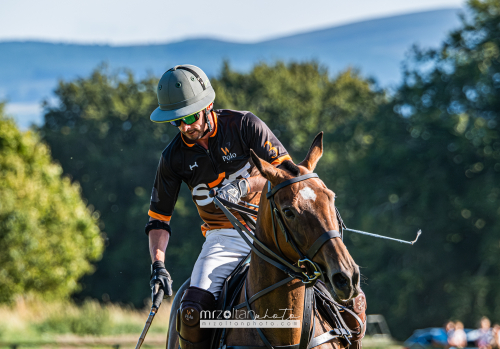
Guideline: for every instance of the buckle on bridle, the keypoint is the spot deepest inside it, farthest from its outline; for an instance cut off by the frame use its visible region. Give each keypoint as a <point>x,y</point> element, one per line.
<point>316,271</point>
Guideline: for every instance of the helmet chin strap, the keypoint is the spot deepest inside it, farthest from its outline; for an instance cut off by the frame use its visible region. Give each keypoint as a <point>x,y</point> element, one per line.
<point>207,119</point>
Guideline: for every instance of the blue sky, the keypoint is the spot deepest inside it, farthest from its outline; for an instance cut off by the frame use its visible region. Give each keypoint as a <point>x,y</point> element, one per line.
<point>121,22</point>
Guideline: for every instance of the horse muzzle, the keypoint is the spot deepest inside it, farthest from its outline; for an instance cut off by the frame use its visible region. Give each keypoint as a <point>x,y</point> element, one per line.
<point>345,285</point>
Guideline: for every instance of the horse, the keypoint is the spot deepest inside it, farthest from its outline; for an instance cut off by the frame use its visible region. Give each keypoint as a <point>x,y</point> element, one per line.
<point>299,204</point>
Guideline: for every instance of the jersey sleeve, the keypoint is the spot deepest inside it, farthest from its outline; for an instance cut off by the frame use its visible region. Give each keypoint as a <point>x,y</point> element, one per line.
<point>165,191</point>
<point>264,143</point>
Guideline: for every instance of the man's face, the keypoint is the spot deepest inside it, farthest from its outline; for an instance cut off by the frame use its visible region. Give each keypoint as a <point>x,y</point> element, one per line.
<point>194,131</point>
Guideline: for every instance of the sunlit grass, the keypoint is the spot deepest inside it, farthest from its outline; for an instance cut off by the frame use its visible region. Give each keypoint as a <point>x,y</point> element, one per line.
<point>30,320</point>
<point>380,343</point>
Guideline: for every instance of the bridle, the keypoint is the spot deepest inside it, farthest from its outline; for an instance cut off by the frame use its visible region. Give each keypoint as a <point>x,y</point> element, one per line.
<point>312,270</point>
<point>309,274</point>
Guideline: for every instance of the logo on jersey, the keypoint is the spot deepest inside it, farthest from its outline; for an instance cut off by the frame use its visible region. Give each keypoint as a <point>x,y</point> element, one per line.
<point>271,148</point>
<point>228,156</point>
<point>201,191</point>
<point>193,166</point>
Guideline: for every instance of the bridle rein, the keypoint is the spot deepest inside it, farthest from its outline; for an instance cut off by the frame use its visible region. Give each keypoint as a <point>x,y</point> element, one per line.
<point>308,275</point>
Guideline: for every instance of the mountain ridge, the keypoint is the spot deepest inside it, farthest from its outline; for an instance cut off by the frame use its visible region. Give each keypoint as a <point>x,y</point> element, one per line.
<point>30,69</point>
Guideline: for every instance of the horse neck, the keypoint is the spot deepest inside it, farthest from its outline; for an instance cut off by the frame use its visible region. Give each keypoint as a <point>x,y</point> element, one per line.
<point>261,270</point>
<point>284,301</point>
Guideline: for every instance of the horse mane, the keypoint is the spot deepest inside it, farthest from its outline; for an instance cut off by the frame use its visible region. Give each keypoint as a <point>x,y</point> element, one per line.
<point>290,167</point>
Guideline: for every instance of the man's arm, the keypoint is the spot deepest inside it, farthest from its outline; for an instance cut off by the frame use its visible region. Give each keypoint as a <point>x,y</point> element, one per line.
<point>158,242</point>
<point>163,198</point>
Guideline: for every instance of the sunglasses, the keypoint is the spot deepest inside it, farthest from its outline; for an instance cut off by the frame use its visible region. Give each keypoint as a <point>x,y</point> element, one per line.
<point>188,120</point>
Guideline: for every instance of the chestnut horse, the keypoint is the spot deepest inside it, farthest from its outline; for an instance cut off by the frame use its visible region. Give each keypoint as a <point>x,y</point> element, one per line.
<point>303,206</point>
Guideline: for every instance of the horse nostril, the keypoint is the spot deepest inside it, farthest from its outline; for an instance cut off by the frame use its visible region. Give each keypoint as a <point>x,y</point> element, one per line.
<point>340,280</point>
<point>355,279</point>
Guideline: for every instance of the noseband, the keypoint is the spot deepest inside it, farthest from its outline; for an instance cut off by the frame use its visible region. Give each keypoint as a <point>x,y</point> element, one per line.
<point>313,270</point>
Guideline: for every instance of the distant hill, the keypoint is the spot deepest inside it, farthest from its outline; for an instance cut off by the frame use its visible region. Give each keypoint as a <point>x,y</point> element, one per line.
<point>30,70</point>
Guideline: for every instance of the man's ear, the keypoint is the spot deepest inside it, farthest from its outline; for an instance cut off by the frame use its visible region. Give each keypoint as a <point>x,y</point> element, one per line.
<point>268,171</point>
<point>314,153</point>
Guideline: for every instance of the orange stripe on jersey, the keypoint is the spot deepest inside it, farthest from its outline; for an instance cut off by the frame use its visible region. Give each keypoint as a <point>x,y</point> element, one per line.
<point>218,180</point>
<point>205,227</point>
<point>281,159</point>
<point>215,121</point>
<point>159,216</point>
<point>186,143</point>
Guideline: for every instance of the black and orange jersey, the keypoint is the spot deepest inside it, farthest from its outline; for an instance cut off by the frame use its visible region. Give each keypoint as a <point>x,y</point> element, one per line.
<point>226,159</point>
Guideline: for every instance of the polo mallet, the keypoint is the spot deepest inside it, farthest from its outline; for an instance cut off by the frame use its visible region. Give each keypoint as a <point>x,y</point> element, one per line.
<point>154,309</point>
<point>213,193</point>
<point>385,237</point>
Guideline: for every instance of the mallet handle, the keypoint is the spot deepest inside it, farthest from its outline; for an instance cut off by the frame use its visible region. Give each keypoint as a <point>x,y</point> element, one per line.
<point>154,309</point>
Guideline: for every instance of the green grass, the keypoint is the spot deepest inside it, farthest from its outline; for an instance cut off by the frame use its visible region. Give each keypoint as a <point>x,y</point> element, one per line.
<point>32,320</point>
<point>380,343</point>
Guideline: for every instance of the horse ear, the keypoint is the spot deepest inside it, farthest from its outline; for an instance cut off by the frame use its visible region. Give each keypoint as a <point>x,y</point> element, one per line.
<point>267,170</point>
<point>314,153</point>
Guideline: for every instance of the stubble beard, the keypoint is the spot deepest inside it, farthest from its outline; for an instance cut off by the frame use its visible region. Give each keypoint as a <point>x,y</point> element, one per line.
<point>198,134</point>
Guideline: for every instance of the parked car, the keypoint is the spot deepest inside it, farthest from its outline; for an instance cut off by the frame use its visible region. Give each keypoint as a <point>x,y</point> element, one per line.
<point>435,337</point>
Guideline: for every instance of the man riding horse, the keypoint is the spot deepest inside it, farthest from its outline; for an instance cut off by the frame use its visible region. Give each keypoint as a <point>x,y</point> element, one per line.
<point>212,150</point>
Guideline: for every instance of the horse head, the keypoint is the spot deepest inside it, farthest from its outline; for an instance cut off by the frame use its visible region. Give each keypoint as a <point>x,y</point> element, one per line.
<point>307,210</point>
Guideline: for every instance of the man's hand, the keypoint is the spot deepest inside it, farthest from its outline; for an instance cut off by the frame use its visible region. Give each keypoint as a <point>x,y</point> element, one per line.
<point>234,191</point>
<point>160,276</point>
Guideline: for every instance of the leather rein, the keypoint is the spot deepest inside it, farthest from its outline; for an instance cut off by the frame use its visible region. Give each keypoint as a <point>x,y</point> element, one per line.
<point>308,275</point>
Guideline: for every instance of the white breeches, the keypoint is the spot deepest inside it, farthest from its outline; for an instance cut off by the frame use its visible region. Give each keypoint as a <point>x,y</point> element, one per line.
<point>220,254</point>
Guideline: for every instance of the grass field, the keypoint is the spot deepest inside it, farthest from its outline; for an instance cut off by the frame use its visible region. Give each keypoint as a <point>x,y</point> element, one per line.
<point>34,324</point>
<point>33,321</point>
<point>380,343</point>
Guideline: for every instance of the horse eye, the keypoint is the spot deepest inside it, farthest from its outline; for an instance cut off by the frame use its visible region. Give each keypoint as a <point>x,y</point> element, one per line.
<point>288,213</point>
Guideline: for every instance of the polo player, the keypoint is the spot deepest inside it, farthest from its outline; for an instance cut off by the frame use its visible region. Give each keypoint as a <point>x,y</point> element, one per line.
<point>212,150</point>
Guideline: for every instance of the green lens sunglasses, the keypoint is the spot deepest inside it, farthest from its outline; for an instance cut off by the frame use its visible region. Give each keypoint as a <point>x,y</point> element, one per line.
<point>188,120</point>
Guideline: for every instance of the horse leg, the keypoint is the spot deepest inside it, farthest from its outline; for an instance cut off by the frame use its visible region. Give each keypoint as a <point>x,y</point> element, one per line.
<point>172,335</point>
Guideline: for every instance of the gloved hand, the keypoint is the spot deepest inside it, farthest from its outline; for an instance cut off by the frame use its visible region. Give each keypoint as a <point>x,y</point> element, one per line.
<point>234,191</point>
<point>160,275</point>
